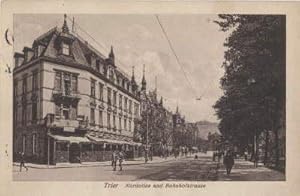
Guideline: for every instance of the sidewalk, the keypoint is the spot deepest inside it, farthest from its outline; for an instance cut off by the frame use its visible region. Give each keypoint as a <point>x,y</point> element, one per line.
<point>245,171</point>
<point>137,161</point>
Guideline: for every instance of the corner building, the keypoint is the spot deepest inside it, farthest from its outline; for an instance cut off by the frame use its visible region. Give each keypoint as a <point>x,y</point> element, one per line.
<point>71,103</point>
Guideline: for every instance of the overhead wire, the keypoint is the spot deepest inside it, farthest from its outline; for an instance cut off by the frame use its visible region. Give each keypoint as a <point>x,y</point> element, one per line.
<point>176,56</point>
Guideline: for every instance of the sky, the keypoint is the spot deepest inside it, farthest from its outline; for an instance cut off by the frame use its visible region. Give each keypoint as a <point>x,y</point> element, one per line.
<point>138,39</point>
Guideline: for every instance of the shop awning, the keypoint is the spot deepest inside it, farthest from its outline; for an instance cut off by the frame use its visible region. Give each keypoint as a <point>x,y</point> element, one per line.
<point>71,139</point>
<point>110,141</point>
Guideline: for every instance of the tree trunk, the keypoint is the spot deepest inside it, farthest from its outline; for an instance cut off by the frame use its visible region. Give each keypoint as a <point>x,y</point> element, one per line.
<point>266,147</point>
<point>276,148</point>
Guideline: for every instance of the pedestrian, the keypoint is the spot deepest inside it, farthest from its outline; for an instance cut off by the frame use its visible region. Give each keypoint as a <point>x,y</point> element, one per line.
<point>121,158</point>
<point>22,163</point>
<point>114,159</point>
<point>219,156</point>
<point>228,161</point>
<point>246,155</point>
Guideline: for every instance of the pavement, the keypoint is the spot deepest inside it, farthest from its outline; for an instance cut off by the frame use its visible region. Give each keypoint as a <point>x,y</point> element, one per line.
<point>245,171</point>
<point>170,169</point>
<point>137,161</point>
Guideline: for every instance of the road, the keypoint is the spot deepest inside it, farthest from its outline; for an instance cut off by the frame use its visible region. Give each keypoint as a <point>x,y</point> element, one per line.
<point>185,169</point>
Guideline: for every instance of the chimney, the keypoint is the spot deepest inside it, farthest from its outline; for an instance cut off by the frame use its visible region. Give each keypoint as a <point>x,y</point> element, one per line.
<point>28,54</point>
<point>19,59</point>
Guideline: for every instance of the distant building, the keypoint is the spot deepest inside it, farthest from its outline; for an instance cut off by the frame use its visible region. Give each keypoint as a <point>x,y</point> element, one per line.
<point>71,102</point>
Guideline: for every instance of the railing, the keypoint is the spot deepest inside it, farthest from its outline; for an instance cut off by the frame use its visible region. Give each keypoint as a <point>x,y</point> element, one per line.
<point>79,122</point>
<point>66,93</point>
<point>65,123</point>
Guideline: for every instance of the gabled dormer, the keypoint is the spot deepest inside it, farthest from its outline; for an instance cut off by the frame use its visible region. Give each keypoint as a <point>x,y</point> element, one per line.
<point>64,40</point>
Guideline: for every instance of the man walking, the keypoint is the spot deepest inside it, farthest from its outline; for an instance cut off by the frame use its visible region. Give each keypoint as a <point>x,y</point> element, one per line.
<point>121,158</point>
<point>228,161</point>
<point>22,163</point>
<point>114,159</point>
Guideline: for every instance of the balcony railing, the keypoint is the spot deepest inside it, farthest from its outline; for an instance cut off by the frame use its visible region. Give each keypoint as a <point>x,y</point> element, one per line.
<point>54,121</point>
<point>65,94</point>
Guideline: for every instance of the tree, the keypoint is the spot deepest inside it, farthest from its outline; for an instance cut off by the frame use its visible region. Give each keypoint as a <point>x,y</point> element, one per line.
<point>254,79</point>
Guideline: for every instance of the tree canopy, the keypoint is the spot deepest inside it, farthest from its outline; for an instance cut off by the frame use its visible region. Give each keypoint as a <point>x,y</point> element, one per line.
<point>254,79</point>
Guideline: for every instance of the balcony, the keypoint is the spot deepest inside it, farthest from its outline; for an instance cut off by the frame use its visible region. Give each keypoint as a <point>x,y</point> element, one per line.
<point>65,95</point>
<point>65,123</point>
<point>68,125</point>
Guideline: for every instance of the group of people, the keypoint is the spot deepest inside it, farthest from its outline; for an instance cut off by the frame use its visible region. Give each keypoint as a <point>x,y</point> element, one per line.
<point>117,156</point>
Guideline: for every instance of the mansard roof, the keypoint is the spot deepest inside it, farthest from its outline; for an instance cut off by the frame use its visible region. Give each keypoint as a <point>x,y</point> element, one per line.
<point>81,50</point>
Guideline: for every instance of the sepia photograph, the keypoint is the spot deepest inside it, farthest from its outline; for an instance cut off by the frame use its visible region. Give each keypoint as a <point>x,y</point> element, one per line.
<point>149,97</point>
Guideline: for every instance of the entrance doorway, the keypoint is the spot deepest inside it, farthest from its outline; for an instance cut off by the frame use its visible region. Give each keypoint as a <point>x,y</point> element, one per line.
<point>74,153</point>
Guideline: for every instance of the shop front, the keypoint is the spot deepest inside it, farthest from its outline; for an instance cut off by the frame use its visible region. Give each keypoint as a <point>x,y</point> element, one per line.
<point>77,149</point>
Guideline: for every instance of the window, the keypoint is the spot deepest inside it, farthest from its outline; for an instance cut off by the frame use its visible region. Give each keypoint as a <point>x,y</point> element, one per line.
<point>92,120</point>
<point>130,106</point>
<point>100,118</point>
<point>57,83</point>
<point>98,65</point>
<point>34,144</point>
<point>74,83</point>
<point>111,75</point>
<point>115,98</point>
<point>101,91</point>
<point>34,81</point>
<point>66,112</point>
<point>34,111</point>
<point>93,88</point>
<point>108,121</point>
<point>67,84</point>
<point>125,124</point>
<point>57,109</point>
<point>24,85</point>
<point>120,101</point>
<point>109,96</point>
<point>24,115</point>
<point>15,95</point>
<point>129,125</point>
<point>114,121</point>
<point>125,103</point>
<point>136,109</point>
<point>120,123</point>
<point>15,88</point>
<point>23,143</point>
<point>65,49</point>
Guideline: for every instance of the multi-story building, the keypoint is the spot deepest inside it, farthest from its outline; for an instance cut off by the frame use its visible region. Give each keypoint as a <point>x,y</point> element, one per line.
<point>71,103</point>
